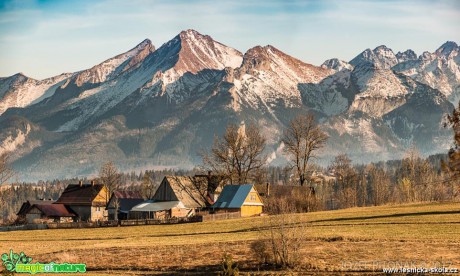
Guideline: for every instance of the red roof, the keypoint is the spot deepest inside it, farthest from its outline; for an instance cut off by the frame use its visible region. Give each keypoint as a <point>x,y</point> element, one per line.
<point>53,210</point>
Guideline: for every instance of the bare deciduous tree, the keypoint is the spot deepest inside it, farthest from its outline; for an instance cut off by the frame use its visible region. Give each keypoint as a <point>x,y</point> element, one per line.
<point>302,138</point>
<point>111,178</point>
<point>6,173</point>
<point>149,185</point>
<point>453,164</point>
<point>380,183</point>
<point>346,179</point>
<point>238,154</point>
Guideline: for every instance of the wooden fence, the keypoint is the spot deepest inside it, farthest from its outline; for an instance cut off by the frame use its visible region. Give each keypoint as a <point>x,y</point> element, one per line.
<point>159,221</point>
<point>220,216</point>
<point>65,225</point>
<point>73,225</point>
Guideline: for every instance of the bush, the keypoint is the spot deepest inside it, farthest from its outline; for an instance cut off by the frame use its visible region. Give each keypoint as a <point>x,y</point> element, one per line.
<point>281,241</point>
<point>229,268</point>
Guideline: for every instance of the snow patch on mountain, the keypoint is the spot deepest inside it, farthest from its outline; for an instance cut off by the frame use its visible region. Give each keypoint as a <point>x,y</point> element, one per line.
<point>21,91</point>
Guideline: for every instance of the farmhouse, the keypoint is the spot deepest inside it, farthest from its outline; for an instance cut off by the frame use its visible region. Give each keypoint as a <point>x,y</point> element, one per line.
<point>87,201</point>
<point>179,196</point>
<point>239,198</point>
<point>38,213</point>
<point>121,202</point>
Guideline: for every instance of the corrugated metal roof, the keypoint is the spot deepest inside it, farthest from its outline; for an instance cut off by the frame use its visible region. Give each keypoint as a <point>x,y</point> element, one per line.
<point>126,200</point>
<point>74,194</point>
<point>233,196</point>
<point>152,206</point>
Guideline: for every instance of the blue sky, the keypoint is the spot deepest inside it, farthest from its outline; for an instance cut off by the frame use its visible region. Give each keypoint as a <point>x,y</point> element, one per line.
<point>48,37</point>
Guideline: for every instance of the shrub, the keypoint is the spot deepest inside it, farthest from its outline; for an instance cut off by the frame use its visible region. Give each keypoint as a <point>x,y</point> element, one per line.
<point>229,268</point>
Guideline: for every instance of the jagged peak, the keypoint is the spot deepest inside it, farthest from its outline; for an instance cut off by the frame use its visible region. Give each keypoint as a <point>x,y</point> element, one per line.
<point>269,58</point>
<point>193,36</point>
<point>336,64</point>
<point>447,48</point>
<point>383,50</point>
<point>145,43</point>
<point>20,76</point>
<point>381,57</point>
<point>406,55</point>
<point>197,52</point>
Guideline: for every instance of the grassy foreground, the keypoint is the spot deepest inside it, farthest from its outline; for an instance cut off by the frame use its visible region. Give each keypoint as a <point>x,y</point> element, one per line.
<point>350,240</point>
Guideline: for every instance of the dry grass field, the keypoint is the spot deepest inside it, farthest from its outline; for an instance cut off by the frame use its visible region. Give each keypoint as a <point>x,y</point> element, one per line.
<point>356,240</point>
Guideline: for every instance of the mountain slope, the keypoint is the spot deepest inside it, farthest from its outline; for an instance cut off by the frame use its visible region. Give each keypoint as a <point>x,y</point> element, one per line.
<point>154,107</point>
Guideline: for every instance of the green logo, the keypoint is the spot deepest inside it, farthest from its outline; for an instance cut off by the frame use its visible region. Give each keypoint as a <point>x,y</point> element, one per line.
<point>20,263</point>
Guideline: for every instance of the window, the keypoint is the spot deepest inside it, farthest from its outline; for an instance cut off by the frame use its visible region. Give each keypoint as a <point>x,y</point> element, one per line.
<point>253,197</point>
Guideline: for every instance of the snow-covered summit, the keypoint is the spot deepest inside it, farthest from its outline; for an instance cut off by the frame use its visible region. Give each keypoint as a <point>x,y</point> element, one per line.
<point>381,57</point>
<point>113,67</point>
<point>336,64</point>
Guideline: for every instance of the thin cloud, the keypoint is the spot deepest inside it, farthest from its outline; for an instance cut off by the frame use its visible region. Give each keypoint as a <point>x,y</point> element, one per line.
<point>73,35</point>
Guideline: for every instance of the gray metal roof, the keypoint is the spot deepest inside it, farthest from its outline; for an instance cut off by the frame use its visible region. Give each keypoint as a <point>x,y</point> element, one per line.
<point>152,206</point>
<point>233,196</point>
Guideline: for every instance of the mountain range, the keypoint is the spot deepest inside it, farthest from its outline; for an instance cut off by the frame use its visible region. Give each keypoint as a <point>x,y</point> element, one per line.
<point>159,107</point>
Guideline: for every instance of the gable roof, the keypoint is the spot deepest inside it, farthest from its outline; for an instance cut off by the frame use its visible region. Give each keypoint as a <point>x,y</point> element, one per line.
<point>26,205</point>
<point>126,200</point>
<point>76,194</point>
<point>190,190</point>
<point>53,210</point>
<point>233,196</point>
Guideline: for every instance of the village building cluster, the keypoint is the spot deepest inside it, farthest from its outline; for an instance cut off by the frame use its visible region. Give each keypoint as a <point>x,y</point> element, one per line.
<point>176,197</point>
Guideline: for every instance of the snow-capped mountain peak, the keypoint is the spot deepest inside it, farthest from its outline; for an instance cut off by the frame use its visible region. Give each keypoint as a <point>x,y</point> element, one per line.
<point>336,64</point>
<point>157,107</point>
<point>381,57</point>
<point>447,49</point>
<point>199,52</point>
<point>113,67</point>
<point>406,56</point>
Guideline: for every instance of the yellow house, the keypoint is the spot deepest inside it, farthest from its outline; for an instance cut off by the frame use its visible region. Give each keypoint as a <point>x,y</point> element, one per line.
<point>243,198</point>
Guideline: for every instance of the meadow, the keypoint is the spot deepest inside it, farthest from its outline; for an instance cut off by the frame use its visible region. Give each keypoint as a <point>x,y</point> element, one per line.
<point>355,240</point>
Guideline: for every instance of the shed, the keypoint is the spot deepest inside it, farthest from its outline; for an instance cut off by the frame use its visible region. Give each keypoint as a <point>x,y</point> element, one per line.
<point>122,202</point>
<point>26,205</point>
<point>243,198</point>
<point>49,213</point>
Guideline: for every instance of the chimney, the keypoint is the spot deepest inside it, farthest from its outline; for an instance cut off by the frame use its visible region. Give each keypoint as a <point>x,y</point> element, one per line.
<point>80,183</point>
<point>93,182</point>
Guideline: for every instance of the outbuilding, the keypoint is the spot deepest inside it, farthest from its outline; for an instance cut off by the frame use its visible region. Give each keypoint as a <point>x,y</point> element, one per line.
<point>39,213</point>
<point>239,198</point>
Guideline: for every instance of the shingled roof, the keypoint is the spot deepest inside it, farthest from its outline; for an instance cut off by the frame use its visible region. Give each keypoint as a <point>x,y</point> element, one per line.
<point>53,210</point>
<point>190,190</point>
<point>26,205</point>
<point>76,194</point>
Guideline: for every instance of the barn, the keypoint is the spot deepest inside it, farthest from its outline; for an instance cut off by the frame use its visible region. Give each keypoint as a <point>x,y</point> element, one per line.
<point>239,198</point>
<point>177,196</point>
<point>121,202</point>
